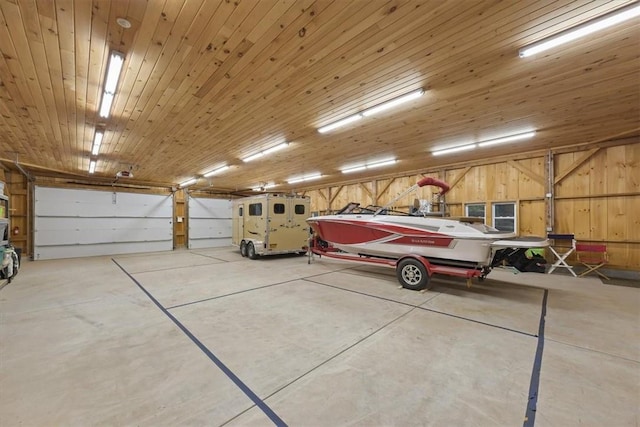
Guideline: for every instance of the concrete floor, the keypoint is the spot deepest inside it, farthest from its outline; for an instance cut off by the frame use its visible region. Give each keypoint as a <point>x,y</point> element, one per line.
<point>205,337</point>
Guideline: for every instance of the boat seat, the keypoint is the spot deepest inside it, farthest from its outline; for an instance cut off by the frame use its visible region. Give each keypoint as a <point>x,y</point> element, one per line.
<point>592,256</point>
<point>563,245</point>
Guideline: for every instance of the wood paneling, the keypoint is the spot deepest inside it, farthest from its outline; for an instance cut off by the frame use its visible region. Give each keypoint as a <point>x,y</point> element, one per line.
<point>208,82</point>
<point>597,201</point>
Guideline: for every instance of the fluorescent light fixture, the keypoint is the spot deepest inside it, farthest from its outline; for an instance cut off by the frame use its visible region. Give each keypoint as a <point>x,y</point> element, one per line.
<point>215,171</point>
<point>373,110</point>
<point>339,123</point>
<point>188,182</point>
<point>354,169</point>
<point>394,102</point>
<point>97,140</point>
<point>369,166</point>
<point>506,139</point>
<point>105,107</point>
<point>116,61</point>
<point>92,166</point>
<point>265,152</point>
<point>582,30</point>
<point>113,72</point>
<point>454,149</point>
<point>381,163</point>
<point>304,178</point>
<point>275,148</point>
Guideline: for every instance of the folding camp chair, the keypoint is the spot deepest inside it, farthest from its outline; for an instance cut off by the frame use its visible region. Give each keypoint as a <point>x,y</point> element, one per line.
<point>563,246</point>
<point>593,257</point>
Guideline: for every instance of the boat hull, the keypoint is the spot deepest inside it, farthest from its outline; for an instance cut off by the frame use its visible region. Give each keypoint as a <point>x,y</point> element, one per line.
<point>441,240</point>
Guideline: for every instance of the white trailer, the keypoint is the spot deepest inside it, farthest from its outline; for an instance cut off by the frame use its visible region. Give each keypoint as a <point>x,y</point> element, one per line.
<point>270,224</point>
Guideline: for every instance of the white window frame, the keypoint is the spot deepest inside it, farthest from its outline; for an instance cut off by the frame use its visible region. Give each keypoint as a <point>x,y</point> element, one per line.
<point>514,217</point>
<point>484,207</point>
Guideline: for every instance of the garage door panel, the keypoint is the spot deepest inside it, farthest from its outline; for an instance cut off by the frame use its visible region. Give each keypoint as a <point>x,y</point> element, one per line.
<point>209,223</point>
<point>70,223</point>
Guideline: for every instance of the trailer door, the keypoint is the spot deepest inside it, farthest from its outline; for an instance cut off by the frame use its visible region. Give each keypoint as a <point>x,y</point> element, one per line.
<point>278,224</point>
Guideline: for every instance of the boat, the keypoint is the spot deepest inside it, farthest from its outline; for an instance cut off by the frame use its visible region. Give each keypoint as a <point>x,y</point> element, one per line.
<point>381,232</point>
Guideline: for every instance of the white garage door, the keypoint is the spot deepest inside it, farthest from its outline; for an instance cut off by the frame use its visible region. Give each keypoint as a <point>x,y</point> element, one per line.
<point>78,223</point>
<point>209,223</point>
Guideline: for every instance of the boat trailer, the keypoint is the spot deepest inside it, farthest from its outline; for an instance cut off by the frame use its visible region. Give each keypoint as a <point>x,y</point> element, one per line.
<point>413,271</point>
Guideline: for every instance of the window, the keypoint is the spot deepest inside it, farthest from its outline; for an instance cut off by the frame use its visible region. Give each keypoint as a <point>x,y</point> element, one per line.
<point>504,216</point>
<point>255,209</point>
<point>278,208</point>
<point>475,210</point>
<point>299,209</point>
<point>239,210</point>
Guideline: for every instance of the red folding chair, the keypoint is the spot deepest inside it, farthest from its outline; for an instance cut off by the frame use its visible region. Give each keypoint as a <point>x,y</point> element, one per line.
<point>592,256</point>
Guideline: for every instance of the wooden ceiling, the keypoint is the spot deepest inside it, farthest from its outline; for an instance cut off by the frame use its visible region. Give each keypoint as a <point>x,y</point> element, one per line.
<point>209,82</point>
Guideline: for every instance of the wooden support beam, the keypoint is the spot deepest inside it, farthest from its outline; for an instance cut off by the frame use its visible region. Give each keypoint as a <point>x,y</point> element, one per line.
<point>321,193</point>
<point>586,156</point>
<point>457,180</point>
<point>333,197</point>
<point>364,187</point>
<point>384,190</point>
<point>525,170</point>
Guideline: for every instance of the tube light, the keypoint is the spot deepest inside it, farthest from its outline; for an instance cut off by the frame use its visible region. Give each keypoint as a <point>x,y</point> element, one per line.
<point>394,102</point>
<point>116,61</point>
<point>381,163</point>
<point>97,140</point>
<point>92,166</point>
<point>215,171</point>
<point>454,149</point>
<point>188,182</point>
<point>340,123</point>
<point>506,139</point>
<point>354,169</point>
<point>304,178</point>
<point>369,166</point>
<point>582,30</point>
<point>373,110</point>
<point>265,152</point>
<point>105,107</point>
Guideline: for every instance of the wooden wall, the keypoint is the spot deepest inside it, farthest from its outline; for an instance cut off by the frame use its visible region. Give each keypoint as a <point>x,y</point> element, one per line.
<point>596,194</point>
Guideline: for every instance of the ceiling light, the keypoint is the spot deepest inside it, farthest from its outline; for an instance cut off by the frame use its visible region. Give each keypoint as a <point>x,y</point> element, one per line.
<point>105,107</point>
<point>123,22</point>
<point>454,149</point>
<point>353,169</point>
<point>265,152</point>
<point>215,171</point>
<point>369,166</point>
<point>339,123</point>
<point>304,178</point>
<point>92,166</point>
<point>373,110</point>
<point>582,30</point>
<point>188,182</point>
<point>97,140</point>
<point>506,139</point>
<point>116,60</point>
<point>394,102</point>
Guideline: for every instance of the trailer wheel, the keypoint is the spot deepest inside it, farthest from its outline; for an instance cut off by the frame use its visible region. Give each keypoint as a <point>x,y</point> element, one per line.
<point>412,274</point>
<point>251,251</point>
<point>243,248</point>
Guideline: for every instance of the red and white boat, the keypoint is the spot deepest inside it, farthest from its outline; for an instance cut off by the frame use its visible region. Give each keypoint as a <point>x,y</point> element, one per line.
<point>376,232</point>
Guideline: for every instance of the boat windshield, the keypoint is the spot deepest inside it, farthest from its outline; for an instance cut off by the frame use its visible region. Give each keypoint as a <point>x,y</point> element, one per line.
<point>484,228</point>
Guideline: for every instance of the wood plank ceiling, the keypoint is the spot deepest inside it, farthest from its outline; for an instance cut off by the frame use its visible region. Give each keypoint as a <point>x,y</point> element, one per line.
<point>209,82</point>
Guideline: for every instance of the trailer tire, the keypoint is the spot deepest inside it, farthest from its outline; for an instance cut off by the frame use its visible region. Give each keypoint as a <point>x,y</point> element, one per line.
<point>251,251</point>
<point>412,274</point>
<point>243,248</point>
